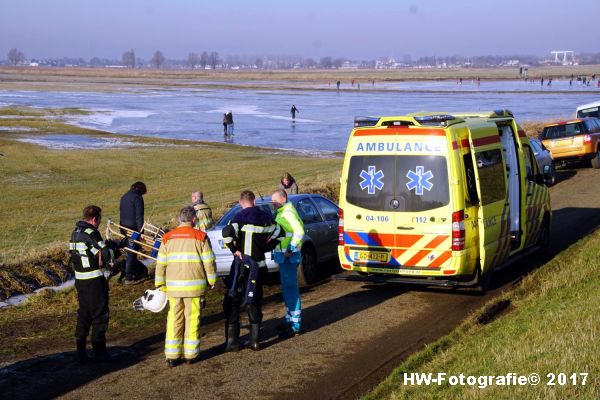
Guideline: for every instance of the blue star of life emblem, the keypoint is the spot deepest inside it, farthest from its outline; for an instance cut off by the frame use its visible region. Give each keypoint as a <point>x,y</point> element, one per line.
<point>419,180</point>
<point>371,180</point>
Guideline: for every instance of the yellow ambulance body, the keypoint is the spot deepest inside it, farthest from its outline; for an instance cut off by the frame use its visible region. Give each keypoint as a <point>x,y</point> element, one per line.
<point>439,199</point>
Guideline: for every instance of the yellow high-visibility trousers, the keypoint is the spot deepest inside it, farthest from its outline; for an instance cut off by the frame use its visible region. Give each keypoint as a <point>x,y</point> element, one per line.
<point>183,328</point>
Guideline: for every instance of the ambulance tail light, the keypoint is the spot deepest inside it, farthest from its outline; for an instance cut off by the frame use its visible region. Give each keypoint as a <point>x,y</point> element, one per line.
<point>587,139</point>
<point>340,227</point>
<point>458,230</point>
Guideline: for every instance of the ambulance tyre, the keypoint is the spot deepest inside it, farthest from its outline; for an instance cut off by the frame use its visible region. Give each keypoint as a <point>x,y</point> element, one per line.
<point>596,160</point>
<point>484,281</point>
<point>307,270</point>
<point>544,238</point>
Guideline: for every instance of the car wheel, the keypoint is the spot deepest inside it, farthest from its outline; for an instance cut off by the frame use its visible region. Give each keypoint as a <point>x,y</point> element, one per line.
<point>596,160</point>
<point>552,180</point>
<point>307,270</point>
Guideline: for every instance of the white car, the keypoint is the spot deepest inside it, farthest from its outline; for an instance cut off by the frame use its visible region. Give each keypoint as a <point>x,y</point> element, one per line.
<point>320,217</point>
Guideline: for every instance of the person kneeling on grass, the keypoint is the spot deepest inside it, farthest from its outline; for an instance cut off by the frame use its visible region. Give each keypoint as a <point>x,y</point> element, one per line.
<point>185,266</point>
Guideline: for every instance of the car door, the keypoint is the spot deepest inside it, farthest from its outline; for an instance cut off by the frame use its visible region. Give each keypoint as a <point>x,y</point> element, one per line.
<point>329,211</point>
<point>314,227</point>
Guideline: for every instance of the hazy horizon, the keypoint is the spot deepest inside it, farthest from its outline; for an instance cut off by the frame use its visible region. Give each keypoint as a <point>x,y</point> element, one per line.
<point>69,28</point>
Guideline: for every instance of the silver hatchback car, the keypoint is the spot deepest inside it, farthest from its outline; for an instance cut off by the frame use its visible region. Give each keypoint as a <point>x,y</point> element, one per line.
<point>320,217</point>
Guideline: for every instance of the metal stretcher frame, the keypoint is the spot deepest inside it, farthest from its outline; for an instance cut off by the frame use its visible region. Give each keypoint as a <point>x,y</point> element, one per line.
<point>149,239</point>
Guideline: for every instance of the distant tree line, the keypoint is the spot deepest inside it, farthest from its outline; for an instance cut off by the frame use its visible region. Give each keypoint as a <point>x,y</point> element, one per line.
<point>212,60</point>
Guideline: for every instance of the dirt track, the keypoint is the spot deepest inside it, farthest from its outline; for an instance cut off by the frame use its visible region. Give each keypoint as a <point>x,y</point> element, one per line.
<point>354,335</point>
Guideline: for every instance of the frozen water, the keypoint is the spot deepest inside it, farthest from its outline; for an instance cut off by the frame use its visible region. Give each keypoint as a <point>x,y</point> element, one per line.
<point>262,117</point>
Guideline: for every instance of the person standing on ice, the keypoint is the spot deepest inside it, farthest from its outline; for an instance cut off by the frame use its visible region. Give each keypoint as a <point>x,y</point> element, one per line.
<point>229,118</point>
<point>293,111</point>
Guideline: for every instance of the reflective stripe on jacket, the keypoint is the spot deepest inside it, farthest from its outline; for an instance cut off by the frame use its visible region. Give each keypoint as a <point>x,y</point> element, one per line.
<point>252,232</point>
<point>88,252</point>
<point>185,262</point>
<point>290,221</point>
<point>204,216</point>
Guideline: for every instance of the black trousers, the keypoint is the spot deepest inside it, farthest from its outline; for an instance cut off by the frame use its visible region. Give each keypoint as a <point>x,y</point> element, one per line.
<point>92,295</point>
<point>131,259</point>
<point>231,305</point>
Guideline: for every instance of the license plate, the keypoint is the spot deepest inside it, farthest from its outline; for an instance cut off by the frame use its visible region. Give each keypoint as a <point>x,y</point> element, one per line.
<point>562,142</point>
<point>371,256</point>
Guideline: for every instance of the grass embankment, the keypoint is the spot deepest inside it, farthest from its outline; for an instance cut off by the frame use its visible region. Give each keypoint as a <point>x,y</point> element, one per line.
<point>551,326</point>
<point>44,190</point>
<point>46,322</point>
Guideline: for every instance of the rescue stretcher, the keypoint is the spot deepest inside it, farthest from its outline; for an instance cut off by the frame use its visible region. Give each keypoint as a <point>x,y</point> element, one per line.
<point>148,240</point>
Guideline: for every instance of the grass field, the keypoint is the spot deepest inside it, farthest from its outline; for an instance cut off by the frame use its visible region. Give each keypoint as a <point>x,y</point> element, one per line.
<point>110,79</point>
<point>550,326</point>
<point>44,190</point>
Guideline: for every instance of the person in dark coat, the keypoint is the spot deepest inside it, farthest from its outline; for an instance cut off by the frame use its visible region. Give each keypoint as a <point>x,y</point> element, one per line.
<point>132,217</point>
<point>229,119</point>
<point>249,234</point>
<point>90,256</point>
<point>293,111</point>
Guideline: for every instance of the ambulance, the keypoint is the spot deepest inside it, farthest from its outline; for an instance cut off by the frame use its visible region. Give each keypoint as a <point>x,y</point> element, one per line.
<point>439,199</point>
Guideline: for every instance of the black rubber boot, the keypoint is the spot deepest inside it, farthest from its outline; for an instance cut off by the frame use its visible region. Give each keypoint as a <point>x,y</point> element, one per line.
<point>82,357</point>
<point>101,353</point>
<point>254,343</point>
<point>232,337</point>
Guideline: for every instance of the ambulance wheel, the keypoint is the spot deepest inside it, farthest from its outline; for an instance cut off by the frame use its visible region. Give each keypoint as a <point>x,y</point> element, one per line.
<point>484,281</point>
<point>307,270</point>
<point>596,160</point>
<point>544,238</point>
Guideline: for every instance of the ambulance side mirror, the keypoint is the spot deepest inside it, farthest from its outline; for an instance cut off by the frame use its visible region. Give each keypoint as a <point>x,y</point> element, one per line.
<point>547,177</point>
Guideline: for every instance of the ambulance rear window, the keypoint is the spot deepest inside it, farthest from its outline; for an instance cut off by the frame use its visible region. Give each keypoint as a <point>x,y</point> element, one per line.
<point>406,183</point>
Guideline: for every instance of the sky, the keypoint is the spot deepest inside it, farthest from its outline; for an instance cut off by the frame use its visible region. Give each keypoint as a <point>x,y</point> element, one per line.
<point>308,28</point>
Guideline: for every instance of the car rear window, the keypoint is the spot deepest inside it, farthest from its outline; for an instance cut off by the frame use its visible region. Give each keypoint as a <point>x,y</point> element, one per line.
<point>589,112</point>
<point>404,183</point>
<point>561,131</point>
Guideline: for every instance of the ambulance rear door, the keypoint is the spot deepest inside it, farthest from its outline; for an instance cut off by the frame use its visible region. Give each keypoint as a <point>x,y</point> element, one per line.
<point>370,189</point>
<point>422,201</point>
<point>490,174</point>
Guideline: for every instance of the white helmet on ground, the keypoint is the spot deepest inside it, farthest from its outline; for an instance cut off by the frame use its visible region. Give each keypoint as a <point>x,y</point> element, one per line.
<point>152,300</point>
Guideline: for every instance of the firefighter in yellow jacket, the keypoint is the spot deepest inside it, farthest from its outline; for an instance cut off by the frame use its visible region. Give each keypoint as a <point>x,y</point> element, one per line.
<point>204,220</point>
<point>185,267</point>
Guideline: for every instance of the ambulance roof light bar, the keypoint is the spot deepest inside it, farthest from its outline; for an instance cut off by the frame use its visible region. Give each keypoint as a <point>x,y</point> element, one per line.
<point>365,121</point>
<point>438,119</point>
<point>503,113</point>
